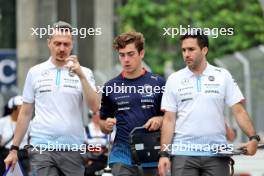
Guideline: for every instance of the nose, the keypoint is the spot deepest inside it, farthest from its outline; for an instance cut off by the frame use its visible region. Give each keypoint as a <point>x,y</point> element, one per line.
<point>62,48</point>
<point>126,58</point>
<point>186,54</point>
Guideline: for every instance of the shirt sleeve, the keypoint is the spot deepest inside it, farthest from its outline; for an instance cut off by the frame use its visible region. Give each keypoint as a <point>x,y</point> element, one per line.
<point>28,92</point>
<point>233,94</point>
<point>169,101</point>
<point>90,78</point>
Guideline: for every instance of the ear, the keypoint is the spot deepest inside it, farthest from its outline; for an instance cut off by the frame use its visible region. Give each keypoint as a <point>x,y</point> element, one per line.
<point>142,53</point>
<point>205,51</point>
<point>49,42</point>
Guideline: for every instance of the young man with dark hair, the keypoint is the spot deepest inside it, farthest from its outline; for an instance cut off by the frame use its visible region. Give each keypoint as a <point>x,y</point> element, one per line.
<point>135,104</point>
<point>194,124</point>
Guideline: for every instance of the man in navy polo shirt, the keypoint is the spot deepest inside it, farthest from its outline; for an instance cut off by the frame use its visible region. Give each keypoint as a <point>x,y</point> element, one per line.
<point>130,100</point>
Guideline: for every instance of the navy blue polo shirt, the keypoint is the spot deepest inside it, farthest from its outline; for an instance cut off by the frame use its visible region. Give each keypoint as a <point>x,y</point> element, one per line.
<point>132,102</point>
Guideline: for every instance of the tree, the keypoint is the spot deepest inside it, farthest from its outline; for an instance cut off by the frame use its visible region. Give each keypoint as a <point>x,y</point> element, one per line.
<point>243,20</point>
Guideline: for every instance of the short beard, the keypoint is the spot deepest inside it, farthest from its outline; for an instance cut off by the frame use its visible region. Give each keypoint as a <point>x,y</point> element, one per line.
<point>58,60</point>
<point>195,64</point>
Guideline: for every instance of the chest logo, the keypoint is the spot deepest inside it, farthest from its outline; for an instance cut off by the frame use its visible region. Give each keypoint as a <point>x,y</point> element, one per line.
<point>211,78</point>
<point>185,81</point>
<point>45,73</point>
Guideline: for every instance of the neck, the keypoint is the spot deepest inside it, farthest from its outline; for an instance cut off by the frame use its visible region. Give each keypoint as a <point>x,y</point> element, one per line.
<point>57,63</point>
<point>199,69</point>
<point>131,75</point>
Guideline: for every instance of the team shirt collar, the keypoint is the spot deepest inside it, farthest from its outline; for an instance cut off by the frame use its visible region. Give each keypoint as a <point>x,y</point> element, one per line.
<point>49,63</point>
<point>207,71</point>
<point>142,73</point>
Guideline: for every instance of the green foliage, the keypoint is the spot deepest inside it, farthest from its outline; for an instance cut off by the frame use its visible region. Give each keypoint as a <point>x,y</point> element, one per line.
<point>245,17</point>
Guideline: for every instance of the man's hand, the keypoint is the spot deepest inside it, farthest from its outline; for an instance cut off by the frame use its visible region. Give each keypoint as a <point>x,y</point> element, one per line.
<point>154,123</point>
<point>108,124</point>
<point>164,166</point>
<point>250,146</point>
<point>74,66</point>
<point>11,159</point>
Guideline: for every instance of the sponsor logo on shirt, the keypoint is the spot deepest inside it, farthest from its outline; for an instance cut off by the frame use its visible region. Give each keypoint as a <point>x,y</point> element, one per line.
<point>219,70</point>
<point>70,86</point>
<point>147,106</point>
<point>186,99</point>
<point>71,81</point>
<point>185,94</point>
<point>45,73</point>
<point>185,81</point>
<point>210,85</point>
<point>43,91</point>
<point>212,91</point>
<point>185,88</point>
<point>122,103</point>
<point>123,108</point>
<point>211,78</point>
<point>154,77</point>
<point>121,97</point>
<point>45,80</point>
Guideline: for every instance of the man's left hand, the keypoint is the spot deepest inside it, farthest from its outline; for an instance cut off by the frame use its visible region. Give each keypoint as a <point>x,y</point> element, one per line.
<point>154,123</point>
<point>250,146</point>
<point>74,65</point>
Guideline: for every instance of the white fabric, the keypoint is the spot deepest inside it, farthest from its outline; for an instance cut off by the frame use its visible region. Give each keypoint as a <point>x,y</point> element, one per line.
<point>58,102</point>
<point>97,136</point>
<point>7,130</point>
<point>15,101</point>
<point>199,103</point>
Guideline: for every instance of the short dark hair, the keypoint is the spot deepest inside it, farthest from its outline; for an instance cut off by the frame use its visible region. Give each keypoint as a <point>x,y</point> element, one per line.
<point>202,39</point>
<point>127,38</point>
<point>63,26</point>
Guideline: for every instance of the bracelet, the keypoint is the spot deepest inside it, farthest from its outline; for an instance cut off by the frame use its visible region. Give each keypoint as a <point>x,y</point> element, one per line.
<point>164,154</point>
<point>14,147</point>
<point>256,137</point>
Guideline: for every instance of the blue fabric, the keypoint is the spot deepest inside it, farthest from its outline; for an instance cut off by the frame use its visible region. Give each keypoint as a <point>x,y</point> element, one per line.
<point>89,136</point>
<point>131,109</point>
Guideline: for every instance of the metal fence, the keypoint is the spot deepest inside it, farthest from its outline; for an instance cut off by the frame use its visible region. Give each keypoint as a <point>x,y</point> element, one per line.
<point>247,68</point>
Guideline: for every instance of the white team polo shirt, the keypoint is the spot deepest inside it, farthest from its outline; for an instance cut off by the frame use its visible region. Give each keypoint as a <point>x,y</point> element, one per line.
<point>58,99</point>
<point>199,103</point>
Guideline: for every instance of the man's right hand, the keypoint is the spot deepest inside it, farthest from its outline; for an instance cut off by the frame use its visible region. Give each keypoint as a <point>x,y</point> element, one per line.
<point>164,166</point>
<point>109,123</point>
<point>11,159</point>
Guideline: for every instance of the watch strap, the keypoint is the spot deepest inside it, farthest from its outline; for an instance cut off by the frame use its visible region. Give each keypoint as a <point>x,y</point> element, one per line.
<point>14,147</point>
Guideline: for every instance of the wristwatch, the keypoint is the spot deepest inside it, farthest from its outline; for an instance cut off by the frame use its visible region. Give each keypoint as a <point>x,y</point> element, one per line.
<point>256,137</point>
<point>164,154</point>
<point>14,147</point>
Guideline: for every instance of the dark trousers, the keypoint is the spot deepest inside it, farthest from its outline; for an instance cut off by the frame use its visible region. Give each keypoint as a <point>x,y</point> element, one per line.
<point>200,166</point>
<point>119,169</point>
<point>95,165</point>
<point>56,163</point>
